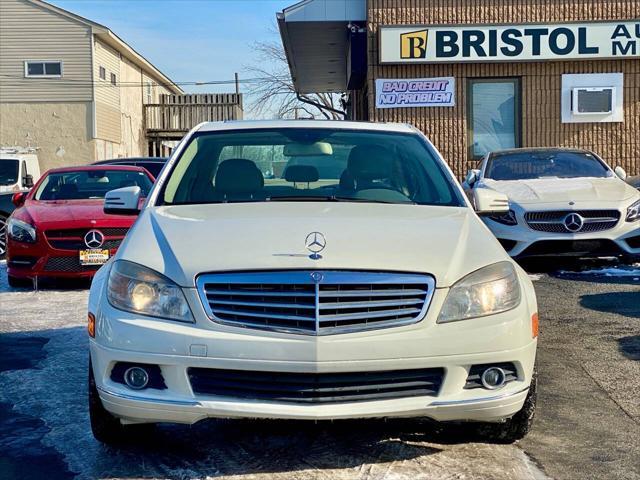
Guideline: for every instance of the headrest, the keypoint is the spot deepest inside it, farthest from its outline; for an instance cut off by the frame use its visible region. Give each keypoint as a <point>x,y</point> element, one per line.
<point>370,162</point>
<point>238,176</point>
<point>301,173</point>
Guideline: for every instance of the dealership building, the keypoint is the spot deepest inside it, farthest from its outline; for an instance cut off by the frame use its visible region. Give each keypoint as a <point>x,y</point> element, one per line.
<point>479,75</point>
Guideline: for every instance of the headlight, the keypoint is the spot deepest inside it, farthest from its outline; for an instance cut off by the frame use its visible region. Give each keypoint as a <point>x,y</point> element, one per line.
<point>21,231</point>
<point>492,289</point>
<point>633,212</point>
<point>138,289</point>
<point>508,218</point>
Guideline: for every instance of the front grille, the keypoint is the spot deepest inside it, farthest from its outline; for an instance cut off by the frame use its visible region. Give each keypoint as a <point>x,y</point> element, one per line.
<point>552,221</point>
<point>73,239</point>
<point>316,302</point>
<point>81,232</point>
<point>316,387</point>
<point>68,264</point>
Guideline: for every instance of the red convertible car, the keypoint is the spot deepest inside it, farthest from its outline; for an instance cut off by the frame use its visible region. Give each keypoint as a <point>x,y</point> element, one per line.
<point>59,229</point>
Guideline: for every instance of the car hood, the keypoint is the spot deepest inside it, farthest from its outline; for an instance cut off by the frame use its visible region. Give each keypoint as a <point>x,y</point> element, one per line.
<point>184,241</point>
<point>549,190</point>
<point>73,214</point>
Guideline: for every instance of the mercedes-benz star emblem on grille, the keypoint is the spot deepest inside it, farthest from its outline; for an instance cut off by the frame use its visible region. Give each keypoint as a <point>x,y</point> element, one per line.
<point>315,243</point>
<point>94,239</point>
<point>317,277</point>
<point>573,222</point>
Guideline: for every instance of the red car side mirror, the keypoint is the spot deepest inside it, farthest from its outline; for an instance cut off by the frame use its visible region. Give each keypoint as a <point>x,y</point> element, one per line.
<point>19,198</point>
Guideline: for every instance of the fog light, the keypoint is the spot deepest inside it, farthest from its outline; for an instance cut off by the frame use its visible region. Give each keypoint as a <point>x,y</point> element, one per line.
<point>136,378</point>
<point>493,378</point>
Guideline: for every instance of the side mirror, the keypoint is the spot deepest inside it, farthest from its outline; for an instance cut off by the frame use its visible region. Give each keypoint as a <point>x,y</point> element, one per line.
<point>18,199</point>
<point>27,181</point>
<point>123,201</point>
<point>472,177</point>
<point>620,172</point>
<point>489,202</point>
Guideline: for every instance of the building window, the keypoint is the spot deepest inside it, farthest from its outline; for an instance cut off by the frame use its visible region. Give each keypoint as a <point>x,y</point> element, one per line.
<point>102,72</point>
<point>114,79</point>
<point>46,69</point>
<point>494,115</point>
<point>149,93</point>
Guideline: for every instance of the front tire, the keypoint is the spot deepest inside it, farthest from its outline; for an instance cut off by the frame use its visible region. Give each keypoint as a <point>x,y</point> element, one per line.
<point>15,282</point>
<point>105,427</point>
<point>3,236</point>
<point>518,426</point>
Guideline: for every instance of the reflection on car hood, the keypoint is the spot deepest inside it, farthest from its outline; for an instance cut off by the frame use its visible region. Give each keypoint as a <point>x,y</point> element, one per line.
<point>548,190</point>
<point>62,214</point>
<point>184,241</point>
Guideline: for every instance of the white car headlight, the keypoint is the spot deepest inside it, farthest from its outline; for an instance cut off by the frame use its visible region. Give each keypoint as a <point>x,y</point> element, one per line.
<point>490,290</point>
<point>633,212</point>
<point>134,288</point>
<point>21,231</point>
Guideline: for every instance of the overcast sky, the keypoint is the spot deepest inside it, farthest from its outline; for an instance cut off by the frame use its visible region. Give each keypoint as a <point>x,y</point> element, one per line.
<point>189,40</point>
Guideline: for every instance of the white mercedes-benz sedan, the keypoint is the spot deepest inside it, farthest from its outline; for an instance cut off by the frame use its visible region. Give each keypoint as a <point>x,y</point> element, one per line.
<point>563,202</point>
<point>310,270</point>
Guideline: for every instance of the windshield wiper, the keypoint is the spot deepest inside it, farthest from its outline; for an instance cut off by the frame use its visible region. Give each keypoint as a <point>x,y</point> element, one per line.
<point>331,198</point>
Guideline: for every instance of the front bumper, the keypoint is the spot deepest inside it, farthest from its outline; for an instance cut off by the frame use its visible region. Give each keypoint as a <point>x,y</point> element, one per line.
<point>520,241</point>
<point>178,404</point>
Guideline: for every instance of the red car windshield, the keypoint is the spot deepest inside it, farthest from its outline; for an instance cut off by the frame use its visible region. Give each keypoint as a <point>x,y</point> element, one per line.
<point>89,184</point>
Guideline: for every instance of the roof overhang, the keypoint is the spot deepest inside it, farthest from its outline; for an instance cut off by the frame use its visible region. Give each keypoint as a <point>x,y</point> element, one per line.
<point>315,36</point>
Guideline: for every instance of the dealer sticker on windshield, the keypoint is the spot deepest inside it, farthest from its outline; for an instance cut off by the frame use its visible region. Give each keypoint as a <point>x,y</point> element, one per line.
<point>95,256</point>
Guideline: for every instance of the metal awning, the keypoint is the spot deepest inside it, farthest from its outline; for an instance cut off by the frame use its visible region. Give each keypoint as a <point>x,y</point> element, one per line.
<point>315,36</point>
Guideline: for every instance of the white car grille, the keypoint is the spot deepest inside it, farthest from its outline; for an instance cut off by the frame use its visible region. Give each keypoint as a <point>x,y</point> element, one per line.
<point>554,221</point>
<point>315,302</point>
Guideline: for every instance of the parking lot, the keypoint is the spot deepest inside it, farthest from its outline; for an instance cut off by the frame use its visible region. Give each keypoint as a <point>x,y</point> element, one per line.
<point>587,426</point>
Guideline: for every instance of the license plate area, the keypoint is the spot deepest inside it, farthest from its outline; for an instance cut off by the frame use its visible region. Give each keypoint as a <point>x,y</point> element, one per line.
<point>94,256</point>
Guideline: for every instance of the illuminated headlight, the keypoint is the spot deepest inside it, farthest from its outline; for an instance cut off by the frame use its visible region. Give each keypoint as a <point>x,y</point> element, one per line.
<point>508,218</point>
<point>490,290</point>
<point>633,212</point>
<point>139,289</point>
<point>21,231</point>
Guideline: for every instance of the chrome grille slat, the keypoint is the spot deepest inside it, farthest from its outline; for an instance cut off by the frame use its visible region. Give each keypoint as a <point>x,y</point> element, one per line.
<point>315,302</point>
<point>552,221</point>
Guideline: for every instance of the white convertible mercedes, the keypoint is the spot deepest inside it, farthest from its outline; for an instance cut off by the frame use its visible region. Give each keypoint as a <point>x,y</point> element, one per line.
<point>562,202</point>
<point>310,270</point>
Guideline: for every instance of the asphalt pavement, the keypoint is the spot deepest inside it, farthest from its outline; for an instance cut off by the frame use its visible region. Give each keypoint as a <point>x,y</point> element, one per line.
<point>587,425</point>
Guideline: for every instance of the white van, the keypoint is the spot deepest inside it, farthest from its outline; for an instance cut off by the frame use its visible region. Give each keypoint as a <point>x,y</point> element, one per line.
<point>19,169</point>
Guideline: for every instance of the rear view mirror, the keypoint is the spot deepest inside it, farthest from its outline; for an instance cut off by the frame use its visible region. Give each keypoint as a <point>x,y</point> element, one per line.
<point>307,149</point>
<point>123,201</point>
<point>489,202</point>
<point>27,181</point>
<point>18,199</point>
<point>620,172</point>
<point>472,177</point>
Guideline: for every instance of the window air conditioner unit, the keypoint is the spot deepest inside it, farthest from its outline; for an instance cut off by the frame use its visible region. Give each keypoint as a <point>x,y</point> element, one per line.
<point>593,100</point>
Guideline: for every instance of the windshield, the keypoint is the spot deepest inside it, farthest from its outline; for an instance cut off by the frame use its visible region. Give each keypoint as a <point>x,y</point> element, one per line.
<point>532,165</point>
<point>8,172</point>
<point>304,164</point>
<point>88,184</point>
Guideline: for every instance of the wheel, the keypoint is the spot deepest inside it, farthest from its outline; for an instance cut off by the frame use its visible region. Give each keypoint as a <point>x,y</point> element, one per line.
<point>16,282</point>
<point>517,427</point>
<point>3,236</point>
<point>105,427</point>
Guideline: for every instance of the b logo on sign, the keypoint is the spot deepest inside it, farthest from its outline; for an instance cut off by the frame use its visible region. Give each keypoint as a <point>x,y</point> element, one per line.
<point>413,44</point>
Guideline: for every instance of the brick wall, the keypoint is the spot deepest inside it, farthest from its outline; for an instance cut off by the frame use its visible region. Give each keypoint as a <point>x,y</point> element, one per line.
<point>618,143</point>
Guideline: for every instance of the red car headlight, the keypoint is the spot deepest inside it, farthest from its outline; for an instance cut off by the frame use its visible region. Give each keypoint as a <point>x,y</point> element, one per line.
<point>21,231</point>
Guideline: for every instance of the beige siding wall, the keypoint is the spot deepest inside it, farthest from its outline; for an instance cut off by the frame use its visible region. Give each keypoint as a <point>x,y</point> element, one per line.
<point>60,131</point>
<point>618,143</point>
<point>31,32</point>
<point>107,95</point>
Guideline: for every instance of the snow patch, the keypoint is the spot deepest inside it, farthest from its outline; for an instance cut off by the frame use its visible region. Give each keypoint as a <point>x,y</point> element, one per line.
<point>632,271</point>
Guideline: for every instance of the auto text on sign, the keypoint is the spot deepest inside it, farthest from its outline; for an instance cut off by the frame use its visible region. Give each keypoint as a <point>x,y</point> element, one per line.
<point>419,92</point>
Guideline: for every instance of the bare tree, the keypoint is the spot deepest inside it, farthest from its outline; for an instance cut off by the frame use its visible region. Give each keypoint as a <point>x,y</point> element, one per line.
<point>273,94</point>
